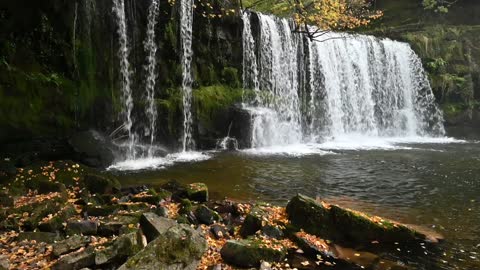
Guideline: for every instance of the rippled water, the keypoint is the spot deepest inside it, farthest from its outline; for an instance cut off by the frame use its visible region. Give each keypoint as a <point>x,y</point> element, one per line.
<point>433,185</point>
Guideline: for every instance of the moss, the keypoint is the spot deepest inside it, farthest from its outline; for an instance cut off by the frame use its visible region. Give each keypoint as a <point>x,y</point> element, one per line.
<point>213,100</point>
<point>230,77</point>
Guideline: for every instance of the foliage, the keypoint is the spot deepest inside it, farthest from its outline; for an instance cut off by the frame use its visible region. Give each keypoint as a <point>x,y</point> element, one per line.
<point>439,6</point>
<point>326,15</point>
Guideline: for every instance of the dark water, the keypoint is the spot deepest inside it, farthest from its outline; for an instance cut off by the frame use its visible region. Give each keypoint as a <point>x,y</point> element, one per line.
<point>433,185</point>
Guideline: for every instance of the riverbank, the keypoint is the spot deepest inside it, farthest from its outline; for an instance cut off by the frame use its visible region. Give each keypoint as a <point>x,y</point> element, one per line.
<point>63,215</point>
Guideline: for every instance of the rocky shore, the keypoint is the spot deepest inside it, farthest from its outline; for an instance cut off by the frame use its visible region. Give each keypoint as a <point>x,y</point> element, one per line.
<point>63,215</point>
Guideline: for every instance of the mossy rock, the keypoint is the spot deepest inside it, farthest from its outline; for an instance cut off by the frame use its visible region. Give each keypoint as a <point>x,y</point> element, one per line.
<point>101,184</point>
<point>179,247</point>
<point>45,237</point>
<point>197,192</point>
<point>250,253</point>
<point>207,216</point>
<point>347,226</point>
<point>253,221</point>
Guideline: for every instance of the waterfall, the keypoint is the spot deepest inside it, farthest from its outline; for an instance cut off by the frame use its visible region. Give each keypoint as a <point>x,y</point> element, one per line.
<point>151,48</point>
<point>186,25</point>
<point>125,75</point>
<point>275,109</point>
<point>346,85</point>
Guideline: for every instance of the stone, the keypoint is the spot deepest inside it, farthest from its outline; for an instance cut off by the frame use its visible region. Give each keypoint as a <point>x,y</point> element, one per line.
<point>84,227</point>
<point>101,211</point>
<point>4,263</point>
<point>273,231</point>
<point>101,184</point>
<point>253,222</point>
<point>177,189</point>
<point>250,253</point>
<point>347,226</point>
<point>197,192</point>
<point>45,237</point>
<point>45,186</point>
<point>219,231</point>
<point>113,226</point>
<point>162,211</point>
<point>153,225</point>
<point>93,149</point>
<point>123,247</point>
<point>179,247</point>
<point>206,215</point>
<point>70,244</point>
<point>56,223</point>
<point>76,260</point>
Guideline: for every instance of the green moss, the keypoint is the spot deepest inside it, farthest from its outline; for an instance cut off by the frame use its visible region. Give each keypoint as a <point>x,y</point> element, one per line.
<point>230,77</point>
<point>213,100</point>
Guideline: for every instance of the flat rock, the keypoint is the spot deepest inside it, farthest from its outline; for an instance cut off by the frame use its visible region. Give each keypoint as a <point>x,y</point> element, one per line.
<point>85,227</point>
<point>76,260</point>
<point>153,225</point>
<point>250,253</point>
<point>179,247</point>
<point>347,226</point>
<point>70,244</point>
<point>45,237</point>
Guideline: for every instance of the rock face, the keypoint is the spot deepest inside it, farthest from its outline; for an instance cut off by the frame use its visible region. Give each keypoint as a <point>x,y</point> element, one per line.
<point>179,247</point>
<point>249,253</point>
<point>93,149</point>
<point>347,226</point>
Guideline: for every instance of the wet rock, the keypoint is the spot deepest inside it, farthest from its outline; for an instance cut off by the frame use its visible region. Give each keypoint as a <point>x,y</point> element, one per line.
<point>124,246</point>
<point>249,253</point>
<point>85,227</point>
<point>206,215</point>
<point>272,231</point>
<point>93,149</point>
<point>179,247</point>
<point>70,244</point>
<point>197,192</point>
<point>347,226</point>
<point>219,231</point>
<point>101,184</point>
<point>313,246</point>
<point>177,189</point>
<point>153,225</point>
<point>45,237</point>
<point>76,260</point>
<point>253,222</point>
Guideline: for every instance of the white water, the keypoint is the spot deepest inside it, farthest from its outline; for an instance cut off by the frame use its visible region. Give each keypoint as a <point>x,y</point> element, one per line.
<point>159,162</point>
<point>125,75</point>
<point>347,92</point>
<point>151,48</point>
<point>186,25</point>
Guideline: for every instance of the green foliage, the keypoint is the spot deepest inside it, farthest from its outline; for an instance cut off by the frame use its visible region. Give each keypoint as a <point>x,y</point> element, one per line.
<point>439,6</point>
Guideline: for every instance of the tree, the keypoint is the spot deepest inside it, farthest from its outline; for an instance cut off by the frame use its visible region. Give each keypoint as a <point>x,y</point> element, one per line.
<point>324,15</point>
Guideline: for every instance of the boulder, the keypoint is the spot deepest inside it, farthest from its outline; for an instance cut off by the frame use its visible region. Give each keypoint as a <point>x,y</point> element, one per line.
<point>123,247</point>
<point>93,149</point>
<point>76,260</point>
<point>347,226</point>
<point>45,237</point>
<point>197,192</point>
<point>84,227</point>
<point>113,226</point>
<point>253,222</point>
<point>70,244</point>
<point>177,189</point>
<point>56,223</point>
<point>251,252</point>
<point>101,184</point>
<point>179,247</point>
<point>45,186</point>
<point>101,211</point>
<point>153,225</point>
<point>206,215</point>
<point>219,231</point>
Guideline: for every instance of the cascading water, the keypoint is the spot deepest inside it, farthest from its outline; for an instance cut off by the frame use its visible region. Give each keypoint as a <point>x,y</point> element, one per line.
<point>275,109</point>
<point>150,68</point>
<point>125,75</point>
<point>354,86</point>
<point>186,25</point>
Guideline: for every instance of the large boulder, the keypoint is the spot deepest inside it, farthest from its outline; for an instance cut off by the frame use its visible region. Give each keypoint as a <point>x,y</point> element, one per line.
<point>101,184</point>
<point>93,149</point>
<point>179,247</point>
<point>347,226</point>
<point>251,252</point>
